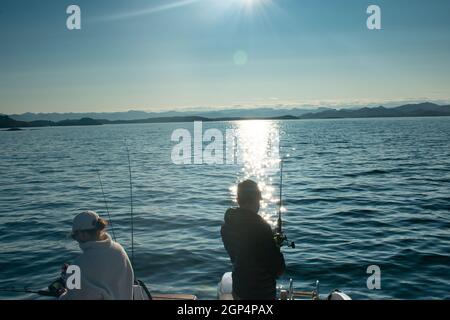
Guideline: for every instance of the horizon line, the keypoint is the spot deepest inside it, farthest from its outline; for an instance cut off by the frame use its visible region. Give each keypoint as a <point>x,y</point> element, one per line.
<point>280,106</point>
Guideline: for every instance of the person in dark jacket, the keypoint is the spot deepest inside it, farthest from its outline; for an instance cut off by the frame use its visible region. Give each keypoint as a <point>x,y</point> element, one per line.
<point>249,240</point>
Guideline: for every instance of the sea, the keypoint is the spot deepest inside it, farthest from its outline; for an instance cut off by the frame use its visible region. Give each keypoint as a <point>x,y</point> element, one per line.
<point>355,193</point>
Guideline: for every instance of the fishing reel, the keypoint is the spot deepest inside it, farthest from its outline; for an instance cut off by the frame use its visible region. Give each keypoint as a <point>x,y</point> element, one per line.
<point>58,287</point>
<point>282,240</point>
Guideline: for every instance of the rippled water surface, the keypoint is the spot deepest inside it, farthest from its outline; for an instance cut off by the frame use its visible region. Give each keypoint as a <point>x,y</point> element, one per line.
<point>356,193</point>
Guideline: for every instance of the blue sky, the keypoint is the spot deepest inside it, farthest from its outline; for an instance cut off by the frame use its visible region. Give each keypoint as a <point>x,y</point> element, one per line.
<point>156,55</point>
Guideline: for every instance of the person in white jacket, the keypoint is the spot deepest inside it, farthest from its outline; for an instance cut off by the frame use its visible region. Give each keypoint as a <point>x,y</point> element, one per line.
<point>106,271</point>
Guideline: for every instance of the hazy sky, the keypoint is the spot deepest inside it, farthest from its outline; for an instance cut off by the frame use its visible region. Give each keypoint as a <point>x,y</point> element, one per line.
<point>169,54</point>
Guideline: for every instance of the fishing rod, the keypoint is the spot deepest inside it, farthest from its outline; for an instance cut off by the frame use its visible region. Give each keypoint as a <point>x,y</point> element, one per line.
<point>136,281</point>
<point>54,293</point>
<point>106,205</point>
<point>44,293</point>
<point>131,205</point>
<point>279,235</point>
<point>280,222</point>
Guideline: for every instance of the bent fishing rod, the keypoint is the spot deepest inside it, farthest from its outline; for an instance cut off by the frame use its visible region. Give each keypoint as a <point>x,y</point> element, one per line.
<point>131,203</point>
<point>279,235</point>
<point>43,293</point>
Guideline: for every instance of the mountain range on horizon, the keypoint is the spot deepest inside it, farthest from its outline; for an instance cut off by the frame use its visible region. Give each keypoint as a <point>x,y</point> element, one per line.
<point>262,112</point>
<point>426,109</point>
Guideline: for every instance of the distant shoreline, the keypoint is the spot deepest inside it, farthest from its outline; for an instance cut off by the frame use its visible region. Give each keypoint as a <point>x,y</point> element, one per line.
<point>406,111</point>
<point>13,129</point>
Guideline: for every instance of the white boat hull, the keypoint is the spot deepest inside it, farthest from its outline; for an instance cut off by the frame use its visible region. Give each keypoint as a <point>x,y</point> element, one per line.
<point>225,291</point>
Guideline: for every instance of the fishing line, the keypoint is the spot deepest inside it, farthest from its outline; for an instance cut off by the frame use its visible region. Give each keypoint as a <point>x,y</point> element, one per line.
<point>131,204</point>
<point>106,205</point>
<point>25,290</point>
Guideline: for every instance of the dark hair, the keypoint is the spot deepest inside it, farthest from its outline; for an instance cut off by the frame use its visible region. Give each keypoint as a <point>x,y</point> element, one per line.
<point>100,226</point>
<point>248,192</point>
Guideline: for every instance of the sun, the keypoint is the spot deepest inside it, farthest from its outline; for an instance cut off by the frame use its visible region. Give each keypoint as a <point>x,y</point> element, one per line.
<point>245,8</point>
<point>249,3</point>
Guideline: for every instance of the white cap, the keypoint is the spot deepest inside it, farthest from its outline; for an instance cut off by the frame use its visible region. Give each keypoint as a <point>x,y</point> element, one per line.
<point>85,221</point>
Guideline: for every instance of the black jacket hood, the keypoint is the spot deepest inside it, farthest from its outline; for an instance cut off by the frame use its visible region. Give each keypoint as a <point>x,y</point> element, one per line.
<point>237,217</point>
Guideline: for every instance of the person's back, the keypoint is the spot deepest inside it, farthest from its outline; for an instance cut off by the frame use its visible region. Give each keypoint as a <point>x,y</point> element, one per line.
<point>106,271</point>
<point>249,241</point>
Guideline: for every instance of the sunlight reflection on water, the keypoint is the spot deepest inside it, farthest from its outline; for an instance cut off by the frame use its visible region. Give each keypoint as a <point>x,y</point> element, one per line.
<point>258,146</point>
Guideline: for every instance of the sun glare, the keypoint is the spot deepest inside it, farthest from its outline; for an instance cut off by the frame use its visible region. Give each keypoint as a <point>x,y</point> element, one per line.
<point>257,7</point>
<point>247,3</point>
<point>258,141</point>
